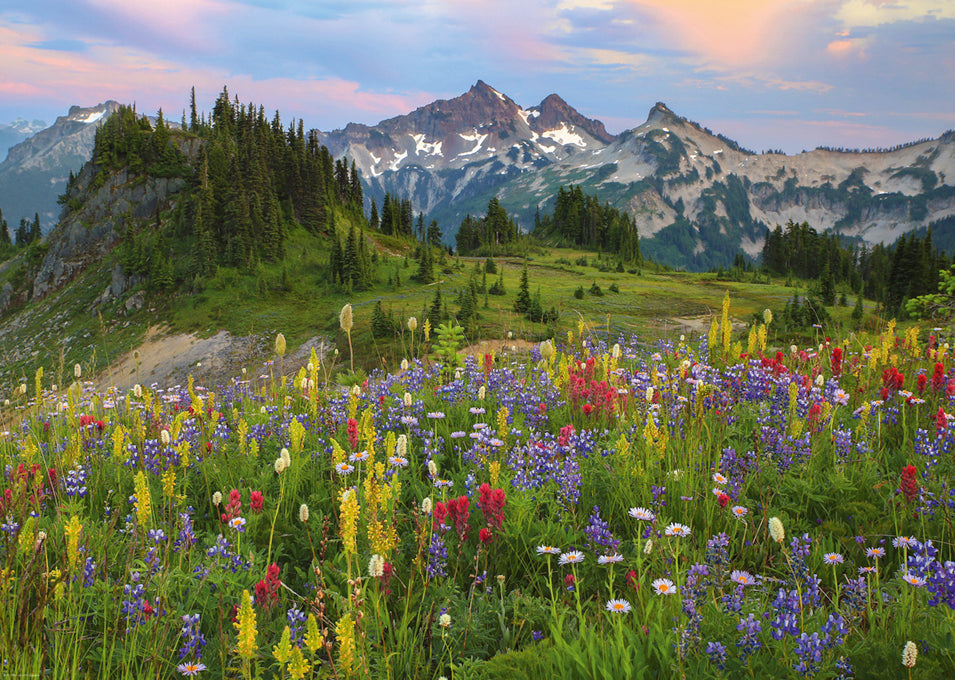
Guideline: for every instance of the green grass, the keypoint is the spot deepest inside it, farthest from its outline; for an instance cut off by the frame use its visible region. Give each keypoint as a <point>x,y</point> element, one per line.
<point>294,297</point>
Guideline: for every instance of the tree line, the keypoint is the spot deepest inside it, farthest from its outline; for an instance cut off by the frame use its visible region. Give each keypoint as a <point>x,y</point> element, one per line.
<point>583,221</point>
<point>890,275</point>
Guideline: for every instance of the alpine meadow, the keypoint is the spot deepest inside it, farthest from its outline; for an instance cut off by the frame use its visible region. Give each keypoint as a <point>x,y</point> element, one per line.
<point>480,392</point>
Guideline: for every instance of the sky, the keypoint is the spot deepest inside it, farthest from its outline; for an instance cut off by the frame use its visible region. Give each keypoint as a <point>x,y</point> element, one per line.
<point>771,74</point>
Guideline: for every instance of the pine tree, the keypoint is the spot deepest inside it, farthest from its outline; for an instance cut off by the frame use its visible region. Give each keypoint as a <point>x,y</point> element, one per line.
<point>425,272</point>
<point>435,313</point>
<point>35,233</point>
<point>523,301</point>
<point>434,234</point>
<point>858,311</point>
<point>373,221</point>
<point>4,233</point>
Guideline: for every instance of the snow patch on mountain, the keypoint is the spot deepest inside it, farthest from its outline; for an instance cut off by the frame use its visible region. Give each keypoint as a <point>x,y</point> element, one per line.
<point>427,148</point>
<point>90,117</point>
<point>478,137</point>
<point>397,159</point>
<point>565,136</point>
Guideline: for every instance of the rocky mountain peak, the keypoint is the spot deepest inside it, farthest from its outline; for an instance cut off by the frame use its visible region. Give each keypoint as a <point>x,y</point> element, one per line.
<point>554,111</point>
<point>662,115</point>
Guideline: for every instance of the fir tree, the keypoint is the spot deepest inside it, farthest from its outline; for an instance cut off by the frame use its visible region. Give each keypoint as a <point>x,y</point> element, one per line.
<point>435,314</point>
<point>523,301</point>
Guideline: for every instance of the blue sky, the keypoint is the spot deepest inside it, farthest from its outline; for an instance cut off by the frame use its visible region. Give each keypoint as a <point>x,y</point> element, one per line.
<point>789,74</point>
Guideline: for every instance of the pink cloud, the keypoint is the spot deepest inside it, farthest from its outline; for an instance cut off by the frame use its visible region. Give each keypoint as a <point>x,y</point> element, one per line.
<point>746,34</point>
<point>179,21</point>
<point>127,75</point>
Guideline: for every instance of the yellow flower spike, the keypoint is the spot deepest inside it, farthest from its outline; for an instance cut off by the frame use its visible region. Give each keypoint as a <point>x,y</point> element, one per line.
<point>298,666</point>
<point>726,328</point>
<point>495,472</point>
<point>761,337</point>
<point>502,427</point>
<point>348,521</point>
<point>245,625</point>
<point>243,436</point>
<point>169,482</point>
<point>72,531</point>
<point>427,330</point>
<point>283,650</point>
<point>751,341</point>
<point>338,453</point>
<point>39,385</point>
<point>313,638</point>
<point>143,500</point>
<point>296,433</point>
<point>713,336</point>
<point>345,632</point>
<point>27,538</point>
<point>183,450</point>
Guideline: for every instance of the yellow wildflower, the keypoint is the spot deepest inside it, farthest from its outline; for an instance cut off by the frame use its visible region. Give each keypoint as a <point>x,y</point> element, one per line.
<point>298,666</point>
<point>313,638</point>
<point>345,632</point>
<point>348,521</point>
<point>245,625</point>
<point>283,650</point>
<point>72,531</point>
<point>143,500</point>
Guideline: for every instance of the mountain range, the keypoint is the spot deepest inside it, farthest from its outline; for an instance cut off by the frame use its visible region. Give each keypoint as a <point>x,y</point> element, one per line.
<point>698,198</point>
<point>36,169</point>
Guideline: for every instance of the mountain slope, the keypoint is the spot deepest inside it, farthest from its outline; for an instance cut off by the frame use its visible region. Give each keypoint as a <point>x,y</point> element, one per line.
<point>36,170</point>
<point>16,131</point>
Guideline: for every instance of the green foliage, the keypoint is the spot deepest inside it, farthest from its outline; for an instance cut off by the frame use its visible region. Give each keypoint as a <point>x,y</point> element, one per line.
<point>494,232</point>
<point>582,221</point>
<point>595,290</point>
<point>523,301</point>
<point>579,293</point>
<point>450,337</point>
<point>383,324</point>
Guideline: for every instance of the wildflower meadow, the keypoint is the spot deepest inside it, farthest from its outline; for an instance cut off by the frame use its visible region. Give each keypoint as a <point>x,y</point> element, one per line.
<point>601,508</point>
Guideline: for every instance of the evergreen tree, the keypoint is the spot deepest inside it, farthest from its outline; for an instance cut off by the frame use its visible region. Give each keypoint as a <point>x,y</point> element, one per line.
<point>5,241</point>
<point>435,315</point>
<point>858,311</point>
<point>35,233</point>
<point>382,323</point>
<point>425,272</point>
<point>434,234</point>
<point>827,286</point>
<point>523,301</point>
<point>374,222</point>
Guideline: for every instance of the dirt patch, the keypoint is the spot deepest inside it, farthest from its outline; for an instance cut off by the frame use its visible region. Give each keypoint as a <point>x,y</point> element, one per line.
<point>168,359</point>
<point>698,325</point>
<point>499,347</point>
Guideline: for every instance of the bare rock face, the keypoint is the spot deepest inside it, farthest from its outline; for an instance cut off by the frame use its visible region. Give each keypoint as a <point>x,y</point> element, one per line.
<point>86,236</point>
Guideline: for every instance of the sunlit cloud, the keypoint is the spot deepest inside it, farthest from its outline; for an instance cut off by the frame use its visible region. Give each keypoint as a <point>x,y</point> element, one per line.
<point>849,47</point>
<point>858,13</point>
<point>605,57</point>
<point>744,35</point>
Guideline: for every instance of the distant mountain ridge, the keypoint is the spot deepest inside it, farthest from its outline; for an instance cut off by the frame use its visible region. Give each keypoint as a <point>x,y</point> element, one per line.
<point>35,171</point>
<point>16,131</point>
<point>697,196</point>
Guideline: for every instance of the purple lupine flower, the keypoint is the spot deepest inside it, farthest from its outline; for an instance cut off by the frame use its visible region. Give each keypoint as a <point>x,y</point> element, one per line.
<point>809,651</point>
<point>717,654</point>
<point>750,627</point>
<point>598,534</point>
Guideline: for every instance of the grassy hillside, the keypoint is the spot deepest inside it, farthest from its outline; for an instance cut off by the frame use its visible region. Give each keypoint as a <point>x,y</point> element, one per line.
<point>293,296</point>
